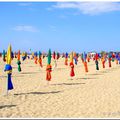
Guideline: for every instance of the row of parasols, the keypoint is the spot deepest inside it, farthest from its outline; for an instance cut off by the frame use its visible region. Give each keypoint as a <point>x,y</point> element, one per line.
<point>73,57</point>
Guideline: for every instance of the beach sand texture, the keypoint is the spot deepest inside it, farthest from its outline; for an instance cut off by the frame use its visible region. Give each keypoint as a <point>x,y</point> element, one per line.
<point>94,95</point>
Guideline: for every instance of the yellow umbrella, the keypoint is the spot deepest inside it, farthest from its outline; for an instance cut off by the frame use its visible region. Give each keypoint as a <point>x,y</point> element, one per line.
<point>71,57</point>
<point>8,61</point>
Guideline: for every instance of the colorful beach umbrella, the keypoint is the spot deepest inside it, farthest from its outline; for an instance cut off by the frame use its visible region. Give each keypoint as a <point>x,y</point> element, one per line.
<point>4,59</point>
<point>18,61</point>
<point>84,55</point>
<point>58,55</point>
<point>75,58</point>
<point>24,56</point>
<point>8,68</point>
<point>54,58</point>
<point>72,73</point>
<point>35,57</point>
<point>103,59</point>
<point>49,67</point>
<point>96,61</point>
<point>109,59</point>
<point>66,58</point>
<point>40,59</point>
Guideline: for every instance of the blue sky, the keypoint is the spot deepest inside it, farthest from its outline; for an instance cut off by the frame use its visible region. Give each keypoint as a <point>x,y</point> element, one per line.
<point>61,26</point>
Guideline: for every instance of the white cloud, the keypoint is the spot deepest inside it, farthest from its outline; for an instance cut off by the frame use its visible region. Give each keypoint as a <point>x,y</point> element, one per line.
<point>53,28</point>
<point>25,4</point>
<point>91,8</point>
<point>65,5</point>
<point>63,16</point>
<point>26,28</point>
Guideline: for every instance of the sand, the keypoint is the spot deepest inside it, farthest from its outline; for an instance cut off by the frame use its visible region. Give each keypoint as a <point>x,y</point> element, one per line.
<point>92,95</point>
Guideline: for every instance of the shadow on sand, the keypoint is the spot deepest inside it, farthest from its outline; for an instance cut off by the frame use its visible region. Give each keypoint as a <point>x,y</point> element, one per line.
<point>3,76</point>
<point>85,78</point>
<point>104,72</point>
<point>7,106</point>
<point>19,76</point>
<point>96,74</point>
<point>39,93</point>
<point>29,72</point>
<point>30,66</point>
<point>68,84</point>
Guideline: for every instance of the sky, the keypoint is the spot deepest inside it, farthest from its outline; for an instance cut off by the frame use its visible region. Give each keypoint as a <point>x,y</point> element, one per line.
<point>60,26</point>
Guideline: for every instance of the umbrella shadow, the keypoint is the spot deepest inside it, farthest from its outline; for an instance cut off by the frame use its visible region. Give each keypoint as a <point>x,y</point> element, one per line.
<point>59,69</point>
<point>68,84</point>
<point>3,76</point>
<point>96,74</point>
<point>104,72</point>
<point>19,76</point>
<point>29,72</point>
<point>7,106</point>
<point>39,93</point>
<point>30,66</point>
<point>85,78</point>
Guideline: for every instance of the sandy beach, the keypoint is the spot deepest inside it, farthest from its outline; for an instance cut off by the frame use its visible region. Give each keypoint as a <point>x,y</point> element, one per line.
<point>92,95</point>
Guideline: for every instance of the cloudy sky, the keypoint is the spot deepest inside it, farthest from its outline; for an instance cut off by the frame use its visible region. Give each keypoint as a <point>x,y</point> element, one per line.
<point>61,26</point>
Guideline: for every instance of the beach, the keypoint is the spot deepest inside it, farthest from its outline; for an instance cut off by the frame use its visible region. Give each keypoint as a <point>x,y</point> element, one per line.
<point>95,94</point>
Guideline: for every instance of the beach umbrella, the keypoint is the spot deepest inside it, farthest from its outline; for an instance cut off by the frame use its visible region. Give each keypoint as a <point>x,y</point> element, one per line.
<point>32,55</point>
<point>116,58</point>
<point>0,54</point>
<point>4,59</point>
<point>109,59</point>
<point>18,61</point>
<point>63,55</point>
<point>15,55</point>
<point>103,58</point>
<point>66,58</point>
<point>84,56</point>
<point>54,58</point>
<point>113,57</point>
<point>24,56</point>
<point>119,57</point>
<point>49,66</point>
<point>75,58</point>
<point>43,54</point>
<point>8,68</point>
<point>96,61</point>
<point>72,73</point>
<point>35,57</point>
<point>88,57</point>
<point>58,55</point>
<point>12,55</point>
<point>54,55</point>
<point>40,59</point>
<point>103,61</point>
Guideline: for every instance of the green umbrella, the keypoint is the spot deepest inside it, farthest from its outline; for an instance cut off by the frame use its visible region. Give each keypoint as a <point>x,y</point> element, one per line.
<point>49,56</point>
